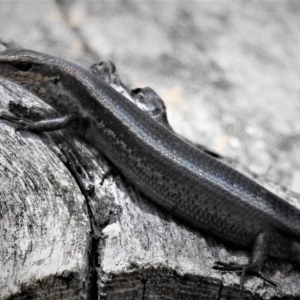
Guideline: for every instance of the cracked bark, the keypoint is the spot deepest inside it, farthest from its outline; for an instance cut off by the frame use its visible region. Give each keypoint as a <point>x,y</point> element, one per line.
<point>123,247</point>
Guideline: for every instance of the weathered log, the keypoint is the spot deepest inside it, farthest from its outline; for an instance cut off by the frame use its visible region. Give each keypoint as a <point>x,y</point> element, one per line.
<point>58,241</point>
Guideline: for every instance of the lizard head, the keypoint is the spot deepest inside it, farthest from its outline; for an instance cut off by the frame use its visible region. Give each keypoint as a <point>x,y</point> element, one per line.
<point>32,69</point>
<point>45,76</point>
<point>26,67</point>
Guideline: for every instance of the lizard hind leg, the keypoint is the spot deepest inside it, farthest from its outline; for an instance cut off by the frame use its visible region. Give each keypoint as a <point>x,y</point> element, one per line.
<point>256,264</point>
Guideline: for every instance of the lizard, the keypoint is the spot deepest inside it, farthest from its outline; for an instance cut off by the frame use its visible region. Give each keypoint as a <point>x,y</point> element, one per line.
<point>190,184</point>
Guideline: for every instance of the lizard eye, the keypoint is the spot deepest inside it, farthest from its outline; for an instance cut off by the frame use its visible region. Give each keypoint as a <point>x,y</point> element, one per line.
<point>23,66</point>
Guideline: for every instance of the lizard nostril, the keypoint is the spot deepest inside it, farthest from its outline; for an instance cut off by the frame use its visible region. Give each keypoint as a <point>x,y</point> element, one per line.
<point>23,66</point>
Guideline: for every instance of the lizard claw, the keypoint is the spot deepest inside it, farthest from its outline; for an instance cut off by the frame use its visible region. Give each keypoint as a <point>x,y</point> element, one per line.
<point>105,175</point>
<point>244,269</point>
<point>263,277</point>
<point>20,128</point>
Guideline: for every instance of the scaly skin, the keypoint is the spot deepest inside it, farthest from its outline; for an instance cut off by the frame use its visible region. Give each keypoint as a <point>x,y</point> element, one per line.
<point>194,186</point>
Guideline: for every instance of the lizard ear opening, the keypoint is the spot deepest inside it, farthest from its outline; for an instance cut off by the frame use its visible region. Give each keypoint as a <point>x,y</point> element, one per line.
<point>56,80</point>
<point>23,66</point>
<point>296,252</point>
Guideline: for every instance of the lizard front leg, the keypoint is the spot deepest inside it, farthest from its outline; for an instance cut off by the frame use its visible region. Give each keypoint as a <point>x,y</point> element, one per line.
<point>45,125</point>
<point>35,119</point>
<point>49,124</point>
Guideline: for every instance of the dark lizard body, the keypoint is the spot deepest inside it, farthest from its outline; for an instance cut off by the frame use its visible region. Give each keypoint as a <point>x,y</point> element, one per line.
<point>190,184</point>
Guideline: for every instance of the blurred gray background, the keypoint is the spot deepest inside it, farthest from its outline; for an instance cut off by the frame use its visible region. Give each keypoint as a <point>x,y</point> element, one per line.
<point>229,71</point>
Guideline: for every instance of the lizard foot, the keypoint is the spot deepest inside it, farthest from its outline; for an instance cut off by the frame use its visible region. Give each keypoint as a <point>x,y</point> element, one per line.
<point>8,116</point>
<point>244,269</point>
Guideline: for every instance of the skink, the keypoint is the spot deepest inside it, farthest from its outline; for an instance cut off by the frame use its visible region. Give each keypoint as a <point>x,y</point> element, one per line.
<point>190,184</point>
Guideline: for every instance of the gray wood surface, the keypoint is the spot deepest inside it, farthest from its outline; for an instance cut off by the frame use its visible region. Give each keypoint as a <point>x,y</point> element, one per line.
<point>230,79</point>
